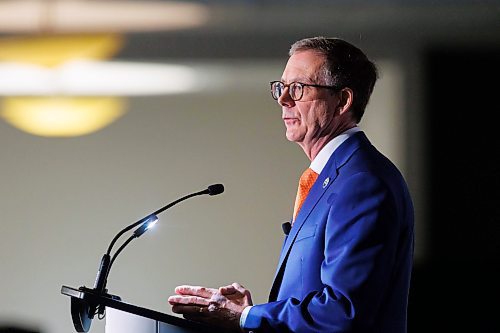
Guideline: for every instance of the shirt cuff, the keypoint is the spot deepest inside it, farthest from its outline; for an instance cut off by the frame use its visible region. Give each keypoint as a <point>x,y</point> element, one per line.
<point>243,317</point>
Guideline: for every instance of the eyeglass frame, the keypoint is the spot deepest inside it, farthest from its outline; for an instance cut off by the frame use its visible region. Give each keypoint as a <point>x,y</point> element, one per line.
<point>302,88</point>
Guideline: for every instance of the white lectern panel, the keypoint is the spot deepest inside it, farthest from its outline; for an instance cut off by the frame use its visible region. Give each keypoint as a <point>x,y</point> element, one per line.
<point>118,321</point>
<point>123,322</point>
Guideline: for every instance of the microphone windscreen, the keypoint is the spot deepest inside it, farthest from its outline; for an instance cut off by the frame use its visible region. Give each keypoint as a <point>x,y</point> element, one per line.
<point>287,226</point>
<point>215,189</point>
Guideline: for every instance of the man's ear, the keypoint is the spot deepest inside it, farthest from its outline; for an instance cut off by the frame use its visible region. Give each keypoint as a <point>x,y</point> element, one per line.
<point>346,96</point>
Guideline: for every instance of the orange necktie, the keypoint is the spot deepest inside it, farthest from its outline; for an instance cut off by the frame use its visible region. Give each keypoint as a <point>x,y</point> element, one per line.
<point>305,183</point>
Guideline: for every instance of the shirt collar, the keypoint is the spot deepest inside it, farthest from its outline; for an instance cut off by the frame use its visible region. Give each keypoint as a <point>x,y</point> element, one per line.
<point>326,152</point>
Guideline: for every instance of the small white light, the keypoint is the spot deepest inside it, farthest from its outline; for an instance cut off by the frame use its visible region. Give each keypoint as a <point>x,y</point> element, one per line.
<point>152,223</point>
<point>145,226</point>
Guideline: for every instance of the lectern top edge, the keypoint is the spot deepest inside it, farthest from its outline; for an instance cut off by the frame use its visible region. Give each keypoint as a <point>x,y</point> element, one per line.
<point>89,297</point>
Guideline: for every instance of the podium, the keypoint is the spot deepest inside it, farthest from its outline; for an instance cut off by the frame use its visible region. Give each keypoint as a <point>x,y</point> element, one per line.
<point>137,319</point>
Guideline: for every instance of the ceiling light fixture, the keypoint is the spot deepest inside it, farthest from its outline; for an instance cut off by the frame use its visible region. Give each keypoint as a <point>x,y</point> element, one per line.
<point>96,78</point>
<point>61,116</point>
<point>91,16</point>
<point>53,76</point>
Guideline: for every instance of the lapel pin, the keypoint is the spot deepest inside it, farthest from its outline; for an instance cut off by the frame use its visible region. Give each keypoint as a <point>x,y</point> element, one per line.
<point>325,183</point>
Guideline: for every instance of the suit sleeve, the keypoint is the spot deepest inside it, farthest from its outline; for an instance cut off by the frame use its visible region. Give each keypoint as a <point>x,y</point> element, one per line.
<point>360,244</point>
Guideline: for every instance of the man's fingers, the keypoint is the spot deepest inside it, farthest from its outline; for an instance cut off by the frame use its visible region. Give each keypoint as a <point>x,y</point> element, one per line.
<point>242,290</point>
<point>195,290</point>
<point>192,310</point>
<point>190,300</point>
<point>227,290</point>
<point>234,291</point>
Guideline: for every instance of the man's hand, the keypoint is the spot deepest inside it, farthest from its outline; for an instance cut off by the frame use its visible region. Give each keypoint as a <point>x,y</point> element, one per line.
<point>220,307</point>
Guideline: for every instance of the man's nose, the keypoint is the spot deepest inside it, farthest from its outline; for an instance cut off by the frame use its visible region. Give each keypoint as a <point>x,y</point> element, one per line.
<point>285,99</point>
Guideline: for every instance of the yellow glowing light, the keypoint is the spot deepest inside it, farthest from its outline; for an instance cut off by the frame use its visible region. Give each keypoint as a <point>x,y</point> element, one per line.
<point>61,116</point>
<point>53,50</point>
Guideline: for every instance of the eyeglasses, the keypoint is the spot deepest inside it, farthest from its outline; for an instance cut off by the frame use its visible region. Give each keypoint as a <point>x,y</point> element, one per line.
<point>295,89</point>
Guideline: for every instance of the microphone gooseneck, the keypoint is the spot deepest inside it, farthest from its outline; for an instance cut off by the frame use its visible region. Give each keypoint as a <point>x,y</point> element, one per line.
<point>211,190</point>
<point>145,223</point>
<point>83,310</point>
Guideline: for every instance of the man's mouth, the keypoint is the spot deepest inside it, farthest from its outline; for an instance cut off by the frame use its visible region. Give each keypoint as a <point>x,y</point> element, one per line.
<point>290,120</point>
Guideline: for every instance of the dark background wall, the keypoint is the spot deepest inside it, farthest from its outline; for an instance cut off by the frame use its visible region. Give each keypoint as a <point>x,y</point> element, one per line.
<point>456,287</point>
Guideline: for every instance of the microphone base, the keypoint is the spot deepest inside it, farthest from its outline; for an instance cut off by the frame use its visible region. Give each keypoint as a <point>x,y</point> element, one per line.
<point>84,308</point>
<point>96,293</point>
<point>80,314</point>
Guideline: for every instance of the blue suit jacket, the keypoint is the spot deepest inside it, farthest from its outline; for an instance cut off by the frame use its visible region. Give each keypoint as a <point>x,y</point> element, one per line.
<point>346,264</point>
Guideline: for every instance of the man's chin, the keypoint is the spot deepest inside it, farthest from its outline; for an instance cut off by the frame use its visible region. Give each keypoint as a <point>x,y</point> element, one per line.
<point>293,137</point>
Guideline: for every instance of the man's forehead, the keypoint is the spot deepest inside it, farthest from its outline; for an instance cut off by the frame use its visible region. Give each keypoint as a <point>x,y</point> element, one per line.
<point>303,65</point>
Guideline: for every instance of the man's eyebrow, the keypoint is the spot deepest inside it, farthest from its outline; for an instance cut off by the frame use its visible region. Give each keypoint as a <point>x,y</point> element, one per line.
<point>302,79</point>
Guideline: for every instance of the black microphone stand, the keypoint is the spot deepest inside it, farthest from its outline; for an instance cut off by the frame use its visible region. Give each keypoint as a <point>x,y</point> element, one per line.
<point>83,311</point>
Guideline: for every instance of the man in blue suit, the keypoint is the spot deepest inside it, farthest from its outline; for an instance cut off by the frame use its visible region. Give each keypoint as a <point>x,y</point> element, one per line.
<point>346,262</point>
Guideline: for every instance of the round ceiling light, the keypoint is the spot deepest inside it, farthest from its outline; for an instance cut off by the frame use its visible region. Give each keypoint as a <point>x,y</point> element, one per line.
<point>61,116</point>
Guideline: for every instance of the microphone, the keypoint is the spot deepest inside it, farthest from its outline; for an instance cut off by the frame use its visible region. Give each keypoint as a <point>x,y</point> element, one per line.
<point>82,313</point>
<point>215,189</point>
<point>287,226</point>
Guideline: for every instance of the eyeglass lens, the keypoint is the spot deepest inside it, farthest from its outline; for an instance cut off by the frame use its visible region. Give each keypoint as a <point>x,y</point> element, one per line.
<point>294,89</point>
